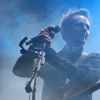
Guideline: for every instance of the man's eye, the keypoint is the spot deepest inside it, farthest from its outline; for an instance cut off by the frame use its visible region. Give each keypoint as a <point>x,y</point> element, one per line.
<point>88,27</point>
<point>83,25</point>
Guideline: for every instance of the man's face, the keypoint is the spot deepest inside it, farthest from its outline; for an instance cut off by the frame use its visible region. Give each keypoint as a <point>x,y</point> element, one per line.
<point>79,29</point>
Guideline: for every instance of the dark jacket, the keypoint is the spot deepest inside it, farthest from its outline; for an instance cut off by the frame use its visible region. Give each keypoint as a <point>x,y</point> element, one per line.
<point>66,80</point>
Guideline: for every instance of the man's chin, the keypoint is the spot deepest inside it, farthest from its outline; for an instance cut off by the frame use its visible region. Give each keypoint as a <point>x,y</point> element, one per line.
<point>80,43</point>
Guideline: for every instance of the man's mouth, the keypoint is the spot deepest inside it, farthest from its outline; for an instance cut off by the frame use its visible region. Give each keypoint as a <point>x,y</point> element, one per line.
<point>81,40</point>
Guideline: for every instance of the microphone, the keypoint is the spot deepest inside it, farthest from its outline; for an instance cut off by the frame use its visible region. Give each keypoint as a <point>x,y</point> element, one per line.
<point>53,29</point>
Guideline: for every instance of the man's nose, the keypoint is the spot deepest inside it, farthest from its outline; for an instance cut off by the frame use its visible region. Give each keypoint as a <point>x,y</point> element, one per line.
<point>84,28</point>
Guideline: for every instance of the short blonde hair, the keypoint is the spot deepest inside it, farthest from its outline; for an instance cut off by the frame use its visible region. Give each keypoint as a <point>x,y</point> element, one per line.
<point>71,13</point>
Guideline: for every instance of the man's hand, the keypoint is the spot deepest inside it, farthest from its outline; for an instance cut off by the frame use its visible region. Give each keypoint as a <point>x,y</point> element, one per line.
<point>46,38</point>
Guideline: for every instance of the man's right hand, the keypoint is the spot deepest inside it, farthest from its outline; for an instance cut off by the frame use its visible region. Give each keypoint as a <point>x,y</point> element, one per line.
<point>46,38</point>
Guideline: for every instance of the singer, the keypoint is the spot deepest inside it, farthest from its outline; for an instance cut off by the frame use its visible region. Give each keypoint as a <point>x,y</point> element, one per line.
<point>68,74</point>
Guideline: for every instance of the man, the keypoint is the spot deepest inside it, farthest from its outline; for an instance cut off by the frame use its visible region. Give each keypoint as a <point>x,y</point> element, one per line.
<point>68,74</point>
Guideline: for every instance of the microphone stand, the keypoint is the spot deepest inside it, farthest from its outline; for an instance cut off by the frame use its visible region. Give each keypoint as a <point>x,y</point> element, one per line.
<point>38,62</point>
